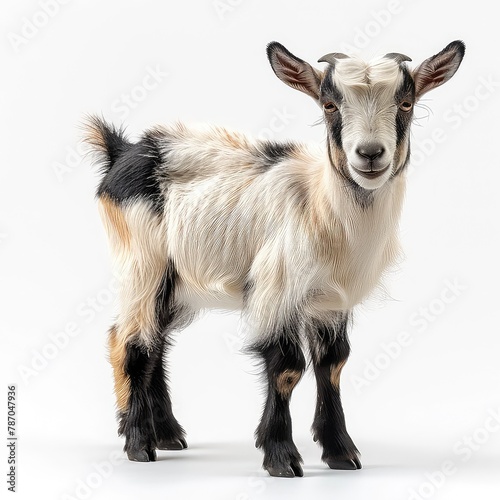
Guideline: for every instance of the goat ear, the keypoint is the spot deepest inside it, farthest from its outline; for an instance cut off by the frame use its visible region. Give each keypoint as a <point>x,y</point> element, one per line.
<point>438,69</point>
<point>294,71</point>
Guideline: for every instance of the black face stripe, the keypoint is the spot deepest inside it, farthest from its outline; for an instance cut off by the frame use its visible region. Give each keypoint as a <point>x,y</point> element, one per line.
<point>134,173</point>
<point>403,163</point>
<point>334,123</point>
<point>270,153</point>
<point>329,91</point>
<point>406,91</point>
<point>403,121</point>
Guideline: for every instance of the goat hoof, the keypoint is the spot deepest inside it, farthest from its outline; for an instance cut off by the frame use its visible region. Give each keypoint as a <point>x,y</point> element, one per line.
<point>172,444</point>
<point>292,470</point>
<point>297,469</point>
<point>344,464</point>
<point>281,471</point>
<point>141,455</point>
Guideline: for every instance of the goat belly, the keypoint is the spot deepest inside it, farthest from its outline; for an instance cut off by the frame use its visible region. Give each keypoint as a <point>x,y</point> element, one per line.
<point>214,295</point>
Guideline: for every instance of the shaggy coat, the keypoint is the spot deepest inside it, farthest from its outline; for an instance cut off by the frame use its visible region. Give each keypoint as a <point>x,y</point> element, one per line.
<point>294,235</point>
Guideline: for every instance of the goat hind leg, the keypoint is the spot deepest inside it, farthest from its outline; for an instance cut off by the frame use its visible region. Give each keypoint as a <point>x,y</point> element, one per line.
<point>169,433</point>
<point>132,367</point>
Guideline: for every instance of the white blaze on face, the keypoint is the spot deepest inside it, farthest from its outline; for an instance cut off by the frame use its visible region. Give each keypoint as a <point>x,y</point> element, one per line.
<point>368,111</point>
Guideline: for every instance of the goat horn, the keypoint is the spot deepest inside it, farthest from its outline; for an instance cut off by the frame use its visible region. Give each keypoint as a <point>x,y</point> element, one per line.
<point>399,58</point>
<point>332,57</point>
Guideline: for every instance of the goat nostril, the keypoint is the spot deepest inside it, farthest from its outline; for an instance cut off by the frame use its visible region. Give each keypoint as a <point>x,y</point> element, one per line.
<point>371,151</point>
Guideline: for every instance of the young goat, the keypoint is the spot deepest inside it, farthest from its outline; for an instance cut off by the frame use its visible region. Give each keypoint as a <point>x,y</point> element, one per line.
<point>293,235</point>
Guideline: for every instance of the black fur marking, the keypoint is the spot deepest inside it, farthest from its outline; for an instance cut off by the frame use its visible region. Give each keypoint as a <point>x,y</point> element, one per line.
<point>329,346</point>
<point>133,175</point>
<point>404,163</point>
<point>330,93</point>
<point>247,290</point>
<point>406,91</point>
<point>274,433</point>
<point>109,141</point>
<point>169,433</point>
<point>334,122</point>
<point>270,153</point>
<point>137,422</point>
<point>274,47</point>
<point>149,422</point>
<point>165,304</point>
<point>363,197</point>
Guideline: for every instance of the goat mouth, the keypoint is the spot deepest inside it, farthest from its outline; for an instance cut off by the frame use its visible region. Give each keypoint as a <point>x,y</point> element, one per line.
<point>371,174</point>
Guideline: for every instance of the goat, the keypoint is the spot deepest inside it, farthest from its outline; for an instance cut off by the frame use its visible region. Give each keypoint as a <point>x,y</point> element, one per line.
<point>294,235</point>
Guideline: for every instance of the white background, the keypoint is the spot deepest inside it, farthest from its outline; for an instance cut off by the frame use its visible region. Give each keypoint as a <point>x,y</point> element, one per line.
<point>423,409</point>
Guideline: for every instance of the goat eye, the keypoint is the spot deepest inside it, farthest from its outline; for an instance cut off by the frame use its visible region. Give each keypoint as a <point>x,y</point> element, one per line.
<point>405,106</point>
<point>329,107</point>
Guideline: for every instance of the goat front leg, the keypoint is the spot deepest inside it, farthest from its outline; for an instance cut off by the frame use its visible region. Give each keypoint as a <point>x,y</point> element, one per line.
<point>284,365</point>
<point>330,349</point>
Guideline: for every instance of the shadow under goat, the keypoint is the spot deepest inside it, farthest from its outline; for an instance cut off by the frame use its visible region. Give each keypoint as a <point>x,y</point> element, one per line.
<point>294,235</point>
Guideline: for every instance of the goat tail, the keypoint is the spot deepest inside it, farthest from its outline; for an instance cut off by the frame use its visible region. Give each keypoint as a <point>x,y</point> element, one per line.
<point>105,141</point>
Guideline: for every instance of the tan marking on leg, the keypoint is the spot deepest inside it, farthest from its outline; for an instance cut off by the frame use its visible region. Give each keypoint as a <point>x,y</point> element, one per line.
<point>138,245</point>
<point>114,222</point>
<point>286,381</point>
<point>335,371</point>
<point>141,269</point>
<point>117,357</point>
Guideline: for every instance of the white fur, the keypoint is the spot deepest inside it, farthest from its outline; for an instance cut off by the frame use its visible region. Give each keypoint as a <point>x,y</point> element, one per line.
<point>306,245</point>
<point>288,245</point>
<point>368,110</point>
